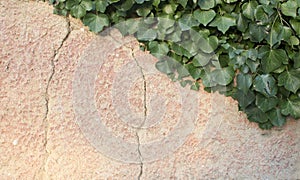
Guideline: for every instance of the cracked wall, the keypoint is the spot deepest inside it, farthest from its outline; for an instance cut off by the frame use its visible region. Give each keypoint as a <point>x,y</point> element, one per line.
<point>39,138</point>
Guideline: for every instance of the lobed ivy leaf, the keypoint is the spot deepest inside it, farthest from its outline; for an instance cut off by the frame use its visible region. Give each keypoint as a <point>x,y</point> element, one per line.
<point>289,8</point>
<point>96,22</point>
<point>265,103</point>
<point>276,118</point>
<point>244,81</point>
<point>266,85</point>
<point>290,79</point>
<point>249,9</point>
<point>101,5</point>
<point>291,107</point>
<point>223,76</point>
<point>295,25</point>
<point>206,4</point>
<point>244,99</point>
<point>223,23</point>
<point>273,59</point>
<point>204,17</point>
<point>256,115</point>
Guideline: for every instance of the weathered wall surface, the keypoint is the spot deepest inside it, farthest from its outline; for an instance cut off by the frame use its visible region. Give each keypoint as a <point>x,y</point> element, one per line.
<point>42,136</point>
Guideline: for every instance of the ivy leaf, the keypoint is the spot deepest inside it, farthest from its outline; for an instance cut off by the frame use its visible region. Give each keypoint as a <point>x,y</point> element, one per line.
<point>182,2</point>
<point>266,85</point>
<point>140,1</point>
<point>273,59</point>
<point>257,32</point>
<point>204,17</point>
<point>244,99</point>
<point>166,66</point>
<point>290,80</point>
<point>256,115</point>
<point>249,9</point>
<point>276,34</point>
<point>146,34</point>
<point>101,5</point>
<point>223,23</point>
<point>209,44</point>
<point>295,25</point>
<point>95,22</point>
<point>264,103</point>
<point>206,4</point>
<point>244,81</point>
<point>78,11</point>
<point>158,48</point>
<point>223,76</point>
<point>289,8</point>
<point>276,117</point>
<point>291,107</point>
<point>242,23</point>
<point>201,59</point>
<point>186,22</point>
<point>143,12</point>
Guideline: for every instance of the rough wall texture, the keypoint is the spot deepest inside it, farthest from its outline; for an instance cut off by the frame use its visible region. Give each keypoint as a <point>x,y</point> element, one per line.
<point>40,54</point>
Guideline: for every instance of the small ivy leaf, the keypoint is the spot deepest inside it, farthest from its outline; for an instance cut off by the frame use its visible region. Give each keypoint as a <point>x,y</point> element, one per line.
<point>289,8</point>
<point>78,11</point>
<point>290,80</point>
<point>264,103</point>
<point>165,66</point>
<point>206,4</point>
<point>158,48</point>
<point>201,59</point>
<point>252,65</point>
<point>296,60</point>
<point>182,2</point>
<point>126,5</point>
<point>266,85</point>
<point>208,45</point>
<point>260,15</point>
<point>223,23</point>
<point>249,9</point>
<point>273,59</point>
<point>70,4</point>
<point>223,76</point>
<point>242,23</point>
<point>276,117</point>
<point>156,3</point>
<point>256,115</point>
<point>295,25</point>
<point>207,80</point>
<point>194,71</point>
<point>257,32</point>
<point>204,17</point>
<point>182,71</point>
<point>244,99</point>
<point>87,4</point>
<point>252,54</point>
<point>294,41</point>
<point>101,5</point>
<point>95,22</point>
<point>170,8</point>
<point>195,86</point>
<point>286,33</point>
<point>275,34</point>
<point>186,22</point>
<point>291,107</point>
<point>244,81</point>
<point>146,34</point>
<point>143,12</point>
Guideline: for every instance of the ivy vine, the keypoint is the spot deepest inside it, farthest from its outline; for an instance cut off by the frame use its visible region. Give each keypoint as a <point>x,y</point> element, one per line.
<point>250,50</point>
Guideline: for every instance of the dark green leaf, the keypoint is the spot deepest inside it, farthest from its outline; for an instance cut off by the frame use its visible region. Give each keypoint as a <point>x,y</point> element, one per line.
<point>223,76</point>
<point>206,4</point>
<point>257,32</point>
<point>96,22</point>
<point>244,81</point>
<point>187,21</point>
<point>256,115</point>
<point>266,85</point>
<point>223,23</point>
<point>290,80</point>
<point>204,17</point>
<point>276,33</point>
<point>201,59</point>
<point>291,107</point>
<point>273,59</point>
<point>289,8</point>
<point>101,5</point>
<point>264,103</point>
<point>249,9</point>
<point>244,99</point>
<point>276,117</point>
<point>295,25</point>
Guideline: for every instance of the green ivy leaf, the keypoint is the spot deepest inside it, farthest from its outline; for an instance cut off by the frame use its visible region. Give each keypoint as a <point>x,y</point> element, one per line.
<point>291,107</point>
<point>186,22</point>
<point>223,23</point>
<point>96,22</point>
<point>101,5</point>
<point>143,12</point>
<point>223,76</point>
<point>256,115</point>
<point>158,48</point>
<point>257,32</point>
<point>289,8</point>
<point>204,17</point>
<point>242,23</point>
<point>244,81</point>
<point>290,80</point>
<point>266,85</point>
<point>295,25</point>
<point>182,2</point>
<point>244,99</point>
<point>276,33</point>
<point>264,103</point>
<point>249,9</point>
<point>78,11</point>
<point>206,4</point>
<point>201,59</point>
<point>209,44</point>
<point>273,59</point>
<point>276,117</point>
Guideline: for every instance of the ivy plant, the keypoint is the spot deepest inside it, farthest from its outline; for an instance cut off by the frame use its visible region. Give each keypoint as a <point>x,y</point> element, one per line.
<point>248,50</point>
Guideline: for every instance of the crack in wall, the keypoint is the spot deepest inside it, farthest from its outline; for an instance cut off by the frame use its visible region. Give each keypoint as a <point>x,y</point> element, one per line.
<point>145,114</point>
<point>45,119</point>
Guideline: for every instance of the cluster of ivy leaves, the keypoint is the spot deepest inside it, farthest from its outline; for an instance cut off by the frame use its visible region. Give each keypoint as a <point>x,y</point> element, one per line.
<point>250,50</point>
